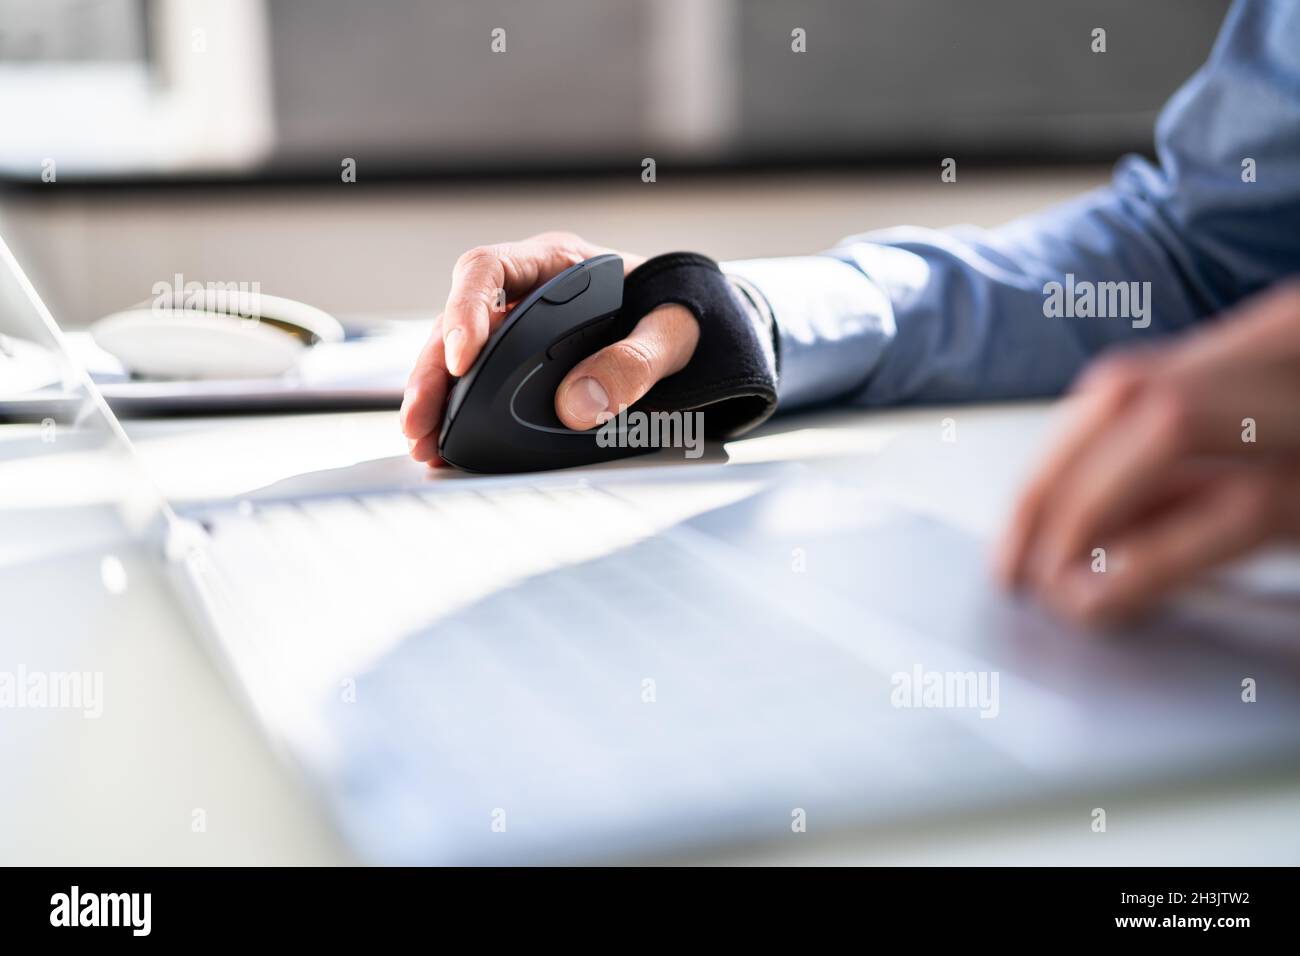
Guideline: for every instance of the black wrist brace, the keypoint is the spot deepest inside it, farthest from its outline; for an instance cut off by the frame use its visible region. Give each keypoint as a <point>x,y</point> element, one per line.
<point>731,373</point>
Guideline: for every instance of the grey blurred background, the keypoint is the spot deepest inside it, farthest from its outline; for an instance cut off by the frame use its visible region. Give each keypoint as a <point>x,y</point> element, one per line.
<point>208,137</point>
<point>415,83</point>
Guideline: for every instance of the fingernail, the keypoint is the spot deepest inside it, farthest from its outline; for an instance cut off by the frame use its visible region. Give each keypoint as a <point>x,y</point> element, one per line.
<point>408,398</point>
<point>453,345</point>
<point>585,399</point>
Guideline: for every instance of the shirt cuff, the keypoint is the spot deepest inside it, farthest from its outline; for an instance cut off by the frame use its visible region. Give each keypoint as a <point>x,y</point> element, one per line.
<point>828,321</point>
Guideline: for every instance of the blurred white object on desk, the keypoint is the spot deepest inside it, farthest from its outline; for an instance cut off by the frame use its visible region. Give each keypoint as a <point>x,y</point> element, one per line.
<point>368,371</point>
<point>261,337</point>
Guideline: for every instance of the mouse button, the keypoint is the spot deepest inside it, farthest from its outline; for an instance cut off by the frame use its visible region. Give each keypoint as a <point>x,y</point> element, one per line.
<point>580,343</point>
<point>454,402</point>
<point>492,358</point>
<point>568,289</point>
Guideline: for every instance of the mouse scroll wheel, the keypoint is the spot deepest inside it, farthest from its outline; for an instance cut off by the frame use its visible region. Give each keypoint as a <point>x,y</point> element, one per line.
<point>569,288</point>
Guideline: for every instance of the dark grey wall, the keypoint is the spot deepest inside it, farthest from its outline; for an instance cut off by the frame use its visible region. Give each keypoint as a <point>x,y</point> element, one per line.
<point>981,75</point>
<point>412,83</point>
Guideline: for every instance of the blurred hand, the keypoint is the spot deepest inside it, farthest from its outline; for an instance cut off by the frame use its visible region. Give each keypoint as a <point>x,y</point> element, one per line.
<point>487,277</point>
<point>1157,468</point>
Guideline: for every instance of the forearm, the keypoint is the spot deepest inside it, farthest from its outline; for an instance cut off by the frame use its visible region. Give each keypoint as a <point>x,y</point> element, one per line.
<point>916,315</point>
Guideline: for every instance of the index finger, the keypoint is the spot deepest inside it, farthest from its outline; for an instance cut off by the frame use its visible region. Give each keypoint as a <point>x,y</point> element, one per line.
<point>426,392</point>
<point>487,277</point>
<point>1111,483</point>
<point>1103,394</point>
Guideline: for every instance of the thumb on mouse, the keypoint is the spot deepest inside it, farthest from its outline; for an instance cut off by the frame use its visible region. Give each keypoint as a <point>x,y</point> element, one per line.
<point>619,374</point>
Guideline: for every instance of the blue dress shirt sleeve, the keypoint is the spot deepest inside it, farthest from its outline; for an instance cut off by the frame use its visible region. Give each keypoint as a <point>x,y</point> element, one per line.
<point>920,315</point>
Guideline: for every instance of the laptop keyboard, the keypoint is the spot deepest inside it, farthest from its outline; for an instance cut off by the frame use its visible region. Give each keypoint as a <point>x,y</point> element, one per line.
<point>556,654</point>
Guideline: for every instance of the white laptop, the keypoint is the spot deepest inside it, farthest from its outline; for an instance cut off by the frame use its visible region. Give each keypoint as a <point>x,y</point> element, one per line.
<point>631,662</point>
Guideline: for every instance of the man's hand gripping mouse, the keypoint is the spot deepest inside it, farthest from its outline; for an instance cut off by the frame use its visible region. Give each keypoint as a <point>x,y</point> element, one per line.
<point>484,278</point>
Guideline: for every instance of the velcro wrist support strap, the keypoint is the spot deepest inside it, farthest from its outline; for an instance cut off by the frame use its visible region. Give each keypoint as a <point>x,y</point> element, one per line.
<point>731,375</point>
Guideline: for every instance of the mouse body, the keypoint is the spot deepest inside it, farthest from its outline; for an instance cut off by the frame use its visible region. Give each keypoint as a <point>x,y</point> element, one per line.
<point>500,415</point>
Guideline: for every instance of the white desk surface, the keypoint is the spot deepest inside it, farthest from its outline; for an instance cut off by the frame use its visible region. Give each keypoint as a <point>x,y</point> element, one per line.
<point>125,790</point>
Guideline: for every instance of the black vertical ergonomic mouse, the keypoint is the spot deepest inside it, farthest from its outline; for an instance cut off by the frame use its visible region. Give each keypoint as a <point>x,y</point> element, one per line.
<point>501,415</point>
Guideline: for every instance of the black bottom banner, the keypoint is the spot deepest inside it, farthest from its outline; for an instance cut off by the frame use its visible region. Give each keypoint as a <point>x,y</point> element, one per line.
<point>336,906</point>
